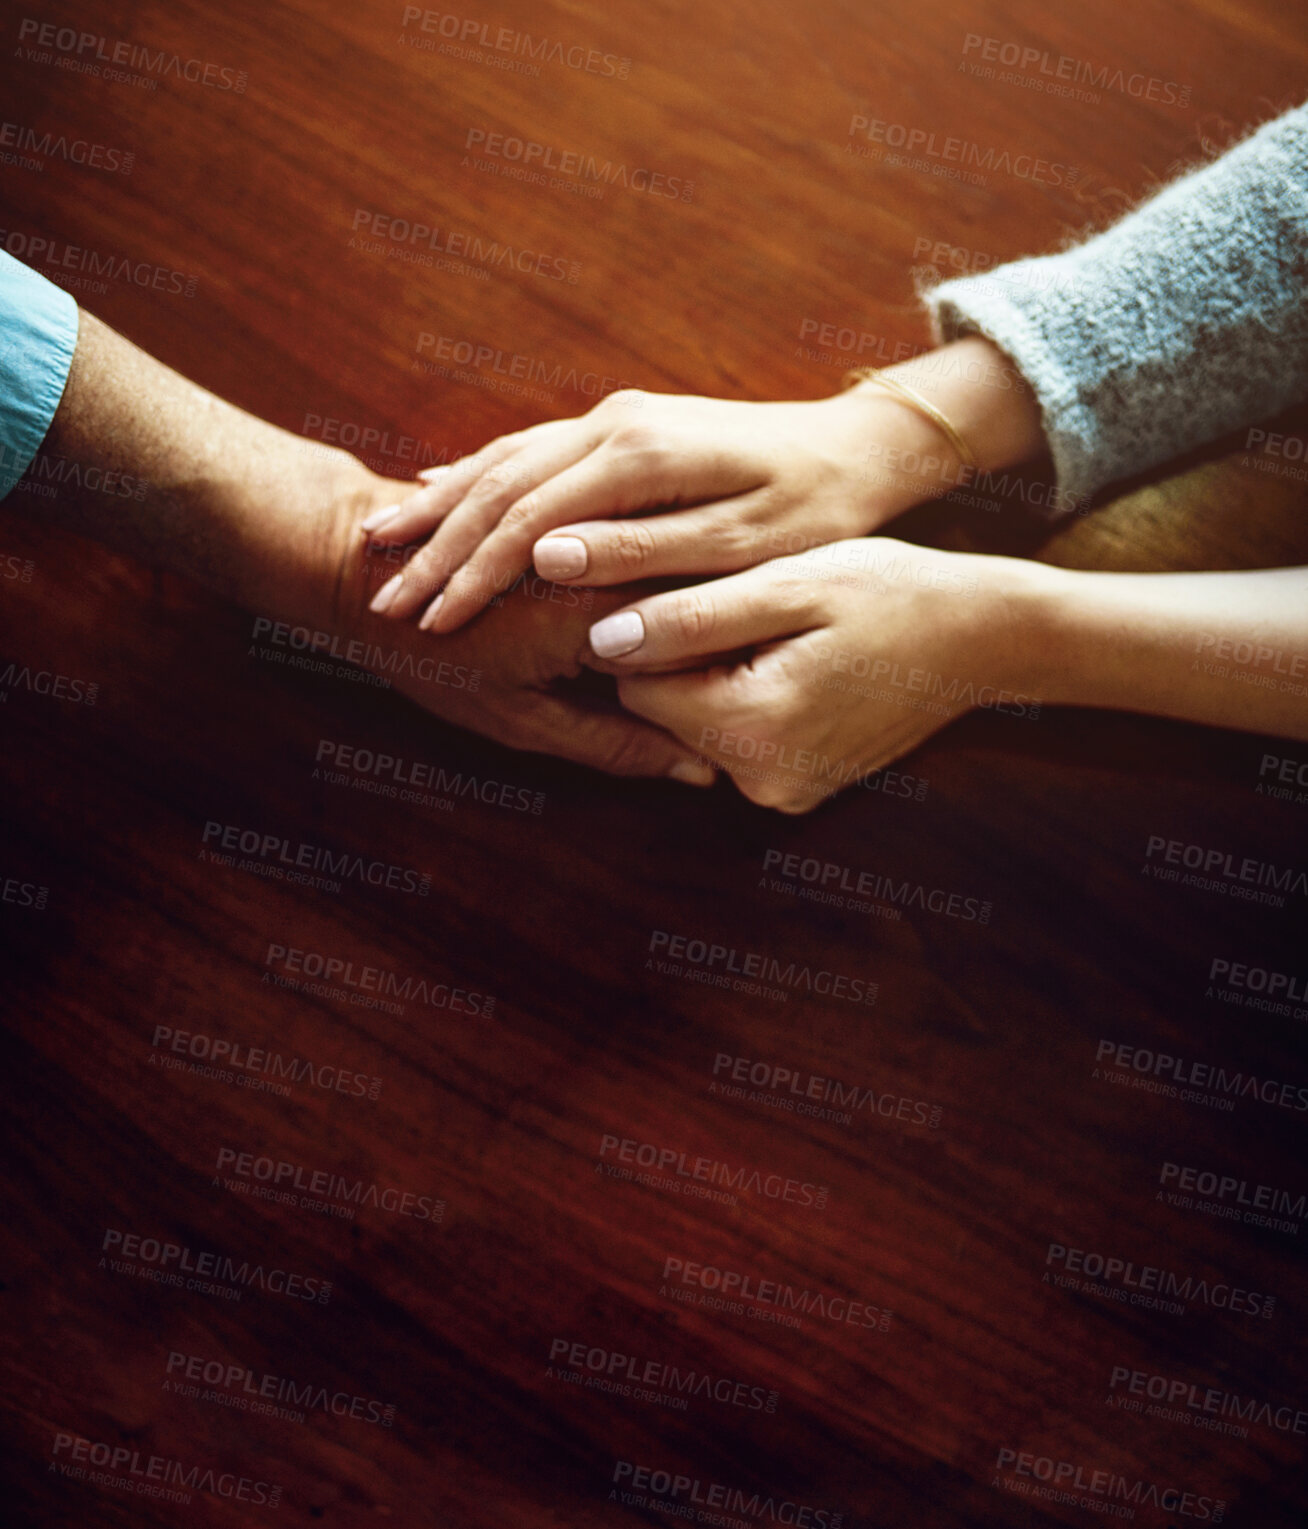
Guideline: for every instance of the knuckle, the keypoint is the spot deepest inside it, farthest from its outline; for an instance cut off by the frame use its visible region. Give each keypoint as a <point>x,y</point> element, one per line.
<point>502,478</point>
<point>794,803</point>
<point>522,513</point>
<point>468,469</point>
<point>742,697</point>
<point>496,451</point>
<point>794,591</point>
<point>425,565</point>
<point>624,398</point>
<point>627,755</point>
<point>736,539</point>
<point>763,792</point>
<point>631,545</point>
<point>692,617</point>
<point>424,502</point>
<point>778,790</point>
<point>643,442</point>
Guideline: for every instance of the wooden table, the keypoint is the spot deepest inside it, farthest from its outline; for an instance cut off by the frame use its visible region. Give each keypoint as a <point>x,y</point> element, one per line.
<point>632,1206</point>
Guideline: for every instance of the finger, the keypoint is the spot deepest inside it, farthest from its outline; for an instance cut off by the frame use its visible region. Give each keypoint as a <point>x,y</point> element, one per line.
<point>616,743</point>
<point>495,531</point>
<point>692,707</point>
<point>716,538</point>
<point>685,625</point>
<point>555,447</point>
<point>638,467</point>
<point>682,703</point>
<point>418,512</point>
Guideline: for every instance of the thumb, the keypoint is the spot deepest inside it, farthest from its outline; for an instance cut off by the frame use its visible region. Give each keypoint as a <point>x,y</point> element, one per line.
<point>617,743</point>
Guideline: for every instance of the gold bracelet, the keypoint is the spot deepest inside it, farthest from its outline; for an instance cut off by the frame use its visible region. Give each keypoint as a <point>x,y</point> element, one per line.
<point>914,400</point>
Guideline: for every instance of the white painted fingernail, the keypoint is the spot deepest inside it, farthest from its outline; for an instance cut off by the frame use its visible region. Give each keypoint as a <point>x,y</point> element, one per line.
<point>385,596</point>
<point>616,636</point>
<point>560,557</point>
<point>378,518</point>
<point>432,611</point>
<point>430,474</point>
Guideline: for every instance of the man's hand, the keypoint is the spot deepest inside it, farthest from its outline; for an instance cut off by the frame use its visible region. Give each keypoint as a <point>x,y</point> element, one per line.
<point>519,653</point>
<point>271,521</point>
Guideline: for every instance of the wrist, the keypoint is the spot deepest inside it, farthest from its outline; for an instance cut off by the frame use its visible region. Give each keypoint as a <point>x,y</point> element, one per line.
<point>904,456</point>
<point>984,397</point>
<point>291,519</point>
<point>909,458</point>
<point>1022,628</point>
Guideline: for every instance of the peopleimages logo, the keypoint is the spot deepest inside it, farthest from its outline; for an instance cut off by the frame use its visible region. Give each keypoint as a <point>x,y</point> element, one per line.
<point>166,1263</point>
<point>246,1390</point>
<point>267,854</point>
<point>1058,73</point>
<point>1160,1073</point>
<point>369,987</point>
<point>401,235</point>
<point>626,1374</point>
<point>61,687</point>
<point>416,780</point>
<point>573,166</point>
<point>722,962</point>
<point>1253,987</point>
<point>300,647</point>
<point>697,1284</point>
<point>464,36</point>
<point>1230,1198</point>
<point>515,366</point>
<point>156,1475</point>
<point>1062,1481</point>
<point>76,151</point>
<point>1220,871</point>
<point>1200,1406</point>
<point>1274,991</point>
<point>90,53</point>
<point>255,1067</point>
<point>708,1170</point>
<point>939,151</point>
<point>829,881</point>
<point>23,894</point>
<point>60,258</point>
<point>647,1486</point>
<point>1222,1185</point>
<point>1144,1279</point>
<point>809,1093</point>
<point>296,1184</point>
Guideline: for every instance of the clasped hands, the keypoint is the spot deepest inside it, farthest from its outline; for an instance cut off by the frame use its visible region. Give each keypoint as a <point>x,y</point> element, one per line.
<point>806,652</point>
<point>803,652</point>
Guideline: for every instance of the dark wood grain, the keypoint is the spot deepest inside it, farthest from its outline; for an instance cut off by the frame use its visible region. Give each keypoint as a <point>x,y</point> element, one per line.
<point>944,1219</point>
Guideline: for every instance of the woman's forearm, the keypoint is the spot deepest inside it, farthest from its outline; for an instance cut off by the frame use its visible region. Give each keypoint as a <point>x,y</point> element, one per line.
<point>1228,649</point>
<point>1183,321</point>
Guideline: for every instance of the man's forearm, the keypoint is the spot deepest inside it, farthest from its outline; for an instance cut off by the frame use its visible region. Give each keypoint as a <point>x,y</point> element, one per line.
<point>225,498</point>
<point>1228,649</point>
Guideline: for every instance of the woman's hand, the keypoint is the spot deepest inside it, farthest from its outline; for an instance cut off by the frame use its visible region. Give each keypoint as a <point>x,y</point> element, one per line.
<point>747,482</point>
<point>812,671</point>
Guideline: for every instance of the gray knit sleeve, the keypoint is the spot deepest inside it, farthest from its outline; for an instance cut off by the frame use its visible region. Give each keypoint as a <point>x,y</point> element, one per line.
<point>1187,319</point>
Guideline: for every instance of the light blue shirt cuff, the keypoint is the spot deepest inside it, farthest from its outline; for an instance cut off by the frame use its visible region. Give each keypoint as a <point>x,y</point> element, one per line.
<point>38,335</point>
